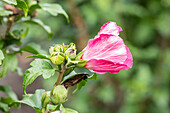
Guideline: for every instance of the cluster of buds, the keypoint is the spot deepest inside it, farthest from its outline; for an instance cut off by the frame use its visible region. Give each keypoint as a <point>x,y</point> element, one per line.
<point>59,53</point>
<point>66,54</point>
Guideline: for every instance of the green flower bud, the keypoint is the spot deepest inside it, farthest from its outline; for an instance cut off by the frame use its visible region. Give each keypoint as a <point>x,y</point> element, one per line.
<point>51,50</point>
<point>71,51</point>
<point>57,58</point>
<point>57,48</point>
<point>45,99</point>
<point>64,47</point>
<point>58,94</point>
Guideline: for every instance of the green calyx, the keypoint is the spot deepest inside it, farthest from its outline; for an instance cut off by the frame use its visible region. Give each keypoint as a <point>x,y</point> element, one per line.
<point>58,94</point>
<point>57,58</point>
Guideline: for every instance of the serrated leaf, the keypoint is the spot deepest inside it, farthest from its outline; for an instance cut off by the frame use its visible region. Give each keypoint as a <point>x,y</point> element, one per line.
<point>54,9</point>
<point>39,67</point>
<point>8,60</point>
<point>39,56</point>
<point>23,6</point>
<point>13,2</point>
<point>33,100</point>
<point>41,24</point>
<point>8,90</point>
<point>33,48</point>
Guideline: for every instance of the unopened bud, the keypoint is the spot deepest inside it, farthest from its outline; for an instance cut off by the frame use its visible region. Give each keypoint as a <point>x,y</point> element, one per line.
<point>51,50</point>
<point>71,51</point>
<point>57,48</point>
<point>57,58</point>
<point>45,99</point>
<point>58,94</point>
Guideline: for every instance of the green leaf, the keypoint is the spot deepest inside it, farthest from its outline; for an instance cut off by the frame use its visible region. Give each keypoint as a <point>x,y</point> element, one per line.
<point>80,85</point>
<point>4,107</point>
<point>33,48</point>
<point>93,76</point>
<point>33,7</point>
<point>52,107</point>
<point>1,44</point>
<point>9,59</point>
<point>41,24</point>
<point>33,100</point>
<point>54,9</point>
<point>67,110</point>
<point>39,56</point>
<point>39,67</point>
<point>1,57</point>
<point>19,34</point>
<point>19,71</point>
<point>4,68</point>
<point>23,6</point>
<point>13,2</point>
<point>5,12</point>
<point>8,90</point>
<point>10,102</point>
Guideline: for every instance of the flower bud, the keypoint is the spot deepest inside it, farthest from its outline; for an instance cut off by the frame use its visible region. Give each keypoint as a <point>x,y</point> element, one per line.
<point>71,51</point>
<point>45,99</point>
<point>57,58</point>
<point>58,94</point>
<point>51,50</point>
<point>57,48</point>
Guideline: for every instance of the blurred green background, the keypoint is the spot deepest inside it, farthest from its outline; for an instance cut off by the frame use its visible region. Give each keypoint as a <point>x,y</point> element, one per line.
<point>146,31</point>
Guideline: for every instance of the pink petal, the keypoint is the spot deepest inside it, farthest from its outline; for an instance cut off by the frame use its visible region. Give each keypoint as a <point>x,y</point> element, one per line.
<point>109,28</point>
<point>129,60</point>
<point>106,47</point>
<point>103,66</point>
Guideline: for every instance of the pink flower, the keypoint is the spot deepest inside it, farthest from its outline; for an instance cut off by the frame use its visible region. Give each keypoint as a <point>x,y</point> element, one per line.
<point>107,51</point>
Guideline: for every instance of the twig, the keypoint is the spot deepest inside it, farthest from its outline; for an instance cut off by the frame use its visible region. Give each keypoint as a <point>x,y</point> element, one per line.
<point>61,73</point>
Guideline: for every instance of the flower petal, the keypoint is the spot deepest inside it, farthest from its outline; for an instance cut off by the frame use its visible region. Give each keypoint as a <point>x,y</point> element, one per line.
<point>102,66</point>
<point>109,28</point>
<point>106,47</point>
<point>129,60</point>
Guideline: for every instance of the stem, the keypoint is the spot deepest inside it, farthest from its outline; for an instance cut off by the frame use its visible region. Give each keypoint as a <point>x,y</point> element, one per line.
<point>59,78</point>
<point>61,73</point>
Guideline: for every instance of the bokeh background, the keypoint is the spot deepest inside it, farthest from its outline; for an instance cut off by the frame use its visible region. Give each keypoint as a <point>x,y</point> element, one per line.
<point>146,31</point>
